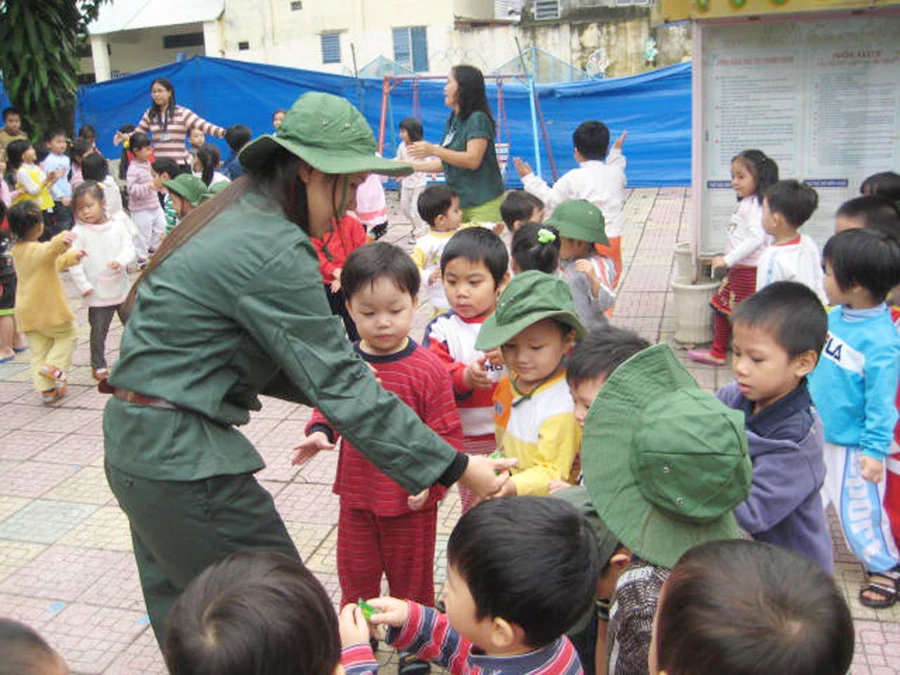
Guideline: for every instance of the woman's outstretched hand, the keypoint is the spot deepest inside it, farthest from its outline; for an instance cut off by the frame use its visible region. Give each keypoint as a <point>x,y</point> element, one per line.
<point>485,476</point>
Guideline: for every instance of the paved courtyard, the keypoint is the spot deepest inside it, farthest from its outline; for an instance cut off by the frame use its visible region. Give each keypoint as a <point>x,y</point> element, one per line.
<point>66,566</point>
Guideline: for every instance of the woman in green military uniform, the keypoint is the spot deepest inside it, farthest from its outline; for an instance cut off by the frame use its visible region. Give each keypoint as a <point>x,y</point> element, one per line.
<point>467,155</point>
<point>232,307</point>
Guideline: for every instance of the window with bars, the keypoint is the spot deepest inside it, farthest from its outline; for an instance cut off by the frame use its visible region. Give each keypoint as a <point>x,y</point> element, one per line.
<point>411,47</point>
<point>546,9</point>
<point>331,47</point>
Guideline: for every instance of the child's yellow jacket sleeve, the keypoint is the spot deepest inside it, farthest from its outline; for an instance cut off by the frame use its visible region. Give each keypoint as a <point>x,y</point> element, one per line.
<point>550,458</point>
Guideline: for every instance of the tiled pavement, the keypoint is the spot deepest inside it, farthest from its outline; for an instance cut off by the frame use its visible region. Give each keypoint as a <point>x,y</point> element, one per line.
<point>66,566</point>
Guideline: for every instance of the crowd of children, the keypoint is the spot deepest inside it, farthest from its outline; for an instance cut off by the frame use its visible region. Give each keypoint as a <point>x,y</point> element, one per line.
<point>615,546</point>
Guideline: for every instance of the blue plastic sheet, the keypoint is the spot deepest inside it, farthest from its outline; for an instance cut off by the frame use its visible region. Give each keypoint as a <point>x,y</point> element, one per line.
<point>655,109</point>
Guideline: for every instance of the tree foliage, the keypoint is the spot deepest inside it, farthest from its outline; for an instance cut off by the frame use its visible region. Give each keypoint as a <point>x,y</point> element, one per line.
<point>39,42</point>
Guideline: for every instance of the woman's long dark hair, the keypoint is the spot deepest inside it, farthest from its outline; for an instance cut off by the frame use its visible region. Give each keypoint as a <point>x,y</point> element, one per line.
<point>277,180</point>
<point>155,113</point>
<point>470,94</point>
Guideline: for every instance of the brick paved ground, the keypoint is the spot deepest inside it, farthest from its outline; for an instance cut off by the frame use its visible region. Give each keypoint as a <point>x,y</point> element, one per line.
<point>66,566</point>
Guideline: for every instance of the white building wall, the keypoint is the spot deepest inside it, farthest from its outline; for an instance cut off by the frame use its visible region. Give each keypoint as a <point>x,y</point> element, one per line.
<point>278,35</point>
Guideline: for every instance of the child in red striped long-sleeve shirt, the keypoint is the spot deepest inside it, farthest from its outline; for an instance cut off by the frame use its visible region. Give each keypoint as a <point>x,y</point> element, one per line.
<point>381,528</point>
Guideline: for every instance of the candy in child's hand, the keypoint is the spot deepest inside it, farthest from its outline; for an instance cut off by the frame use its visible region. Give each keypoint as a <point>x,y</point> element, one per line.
<point>367,610</point>
<point>496,454</point>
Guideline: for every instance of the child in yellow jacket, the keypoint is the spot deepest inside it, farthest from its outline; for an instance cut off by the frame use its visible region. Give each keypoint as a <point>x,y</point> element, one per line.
<point>535,326</point>
<point>42,311</point>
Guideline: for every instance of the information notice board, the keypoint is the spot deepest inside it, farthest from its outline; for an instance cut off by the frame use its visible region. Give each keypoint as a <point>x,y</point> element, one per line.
<point>821,97</point>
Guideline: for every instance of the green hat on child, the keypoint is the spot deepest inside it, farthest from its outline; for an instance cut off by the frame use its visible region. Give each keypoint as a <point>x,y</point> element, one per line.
<point>665,462</point>
<point>329,134</point>
<point>187,186</point>
<point>214,189</point>
<point>579,219</point>
<point>530,297</point>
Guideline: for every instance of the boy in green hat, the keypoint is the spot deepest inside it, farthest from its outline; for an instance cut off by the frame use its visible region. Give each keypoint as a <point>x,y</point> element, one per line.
<point>665,464</point>
<point>535,326</point>
<point>186,192</point>
<point>591,276</point>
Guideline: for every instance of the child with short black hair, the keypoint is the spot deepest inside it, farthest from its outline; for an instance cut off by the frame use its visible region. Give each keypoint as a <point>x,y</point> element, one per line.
<point>438,206</point>
<point>519,571</point>
<point>792,256</point>
<point>42,311</point>
<point>535,246</point>
<point>665,464</point>
<point>57,161</point>
<point>853,388</point>
<point>751,608</point>
<point>12,128</point>
<point>591,276</point>
<point>164,169</point>
<point>520,207</point>
<point>474,269</point>
<point>382,529</point>
<point>868,212</point>
<point>884,184</point>
<point>599,179</point>
<point>535,327</point>
<point>253,613</point>
<point>237,136</point>
<point>594,359</point>
<point>24,652</point>
<point>777,336</point>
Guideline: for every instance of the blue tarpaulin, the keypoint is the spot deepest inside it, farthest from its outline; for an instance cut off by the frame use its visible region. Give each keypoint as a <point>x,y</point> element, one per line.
<point>655,109</point>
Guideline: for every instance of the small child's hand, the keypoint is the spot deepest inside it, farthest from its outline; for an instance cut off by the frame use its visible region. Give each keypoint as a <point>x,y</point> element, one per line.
<point>475,376</point>
<point>495,356</point>
<point>391,611</point>
<point>620,141</point>
<point>68,237</point>
<point>434,277</point>
<point>523,168</point>
<point>353,627</point>
<point>508,490</point>
<point>871,469</point>
<point>310,445</point>
<point>81,253</point>
<point>114,265</point>
<point>586,267</point>
<point>719,261</point>
<point>557,484</point>
<point>416,502</point>
<point>66,201</point>
<point>88,292</point>
<point>498,228</point>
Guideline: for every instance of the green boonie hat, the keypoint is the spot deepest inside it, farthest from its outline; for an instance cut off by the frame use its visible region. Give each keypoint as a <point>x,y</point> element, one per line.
<point>579,219</point>
<point>530,297</point>
<point>187,186</point>
<point>665,462</point>
<point>329,134</point>
<point>213,190</point>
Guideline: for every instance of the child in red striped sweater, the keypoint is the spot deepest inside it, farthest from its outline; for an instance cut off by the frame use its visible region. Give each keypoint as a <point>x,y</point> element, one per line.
<point>381,528</point>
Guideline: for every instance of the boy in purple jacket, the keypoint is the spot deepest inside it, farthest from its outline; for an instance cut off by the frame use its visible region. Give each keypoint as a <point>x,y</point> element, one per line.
<point>778,334</point>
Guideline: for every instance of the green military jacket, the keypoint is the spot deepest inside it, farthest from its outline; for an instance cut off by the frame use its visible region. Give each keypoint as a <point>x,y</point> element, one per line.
<point>237,311</point>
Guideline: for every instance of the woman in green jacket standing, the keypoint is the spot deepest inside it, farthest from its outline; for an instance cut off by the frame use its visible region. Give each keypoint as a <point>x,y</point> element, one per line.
<point>232,307</point>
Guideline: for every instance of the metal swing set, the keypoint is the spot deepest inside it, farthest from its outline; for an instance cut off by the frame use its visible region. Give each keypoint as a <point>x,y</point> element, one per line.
<point>538,125</point>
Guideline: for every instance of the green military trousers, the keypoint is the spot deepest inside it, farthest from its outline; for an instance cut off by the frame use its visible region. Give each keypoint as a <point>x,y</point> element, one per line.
<point>180,528</point>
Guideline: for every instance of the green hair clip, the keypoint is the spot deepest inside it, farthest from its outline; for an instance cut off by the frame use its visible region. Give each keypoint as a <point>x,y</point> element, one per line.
<point>545,236</point>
